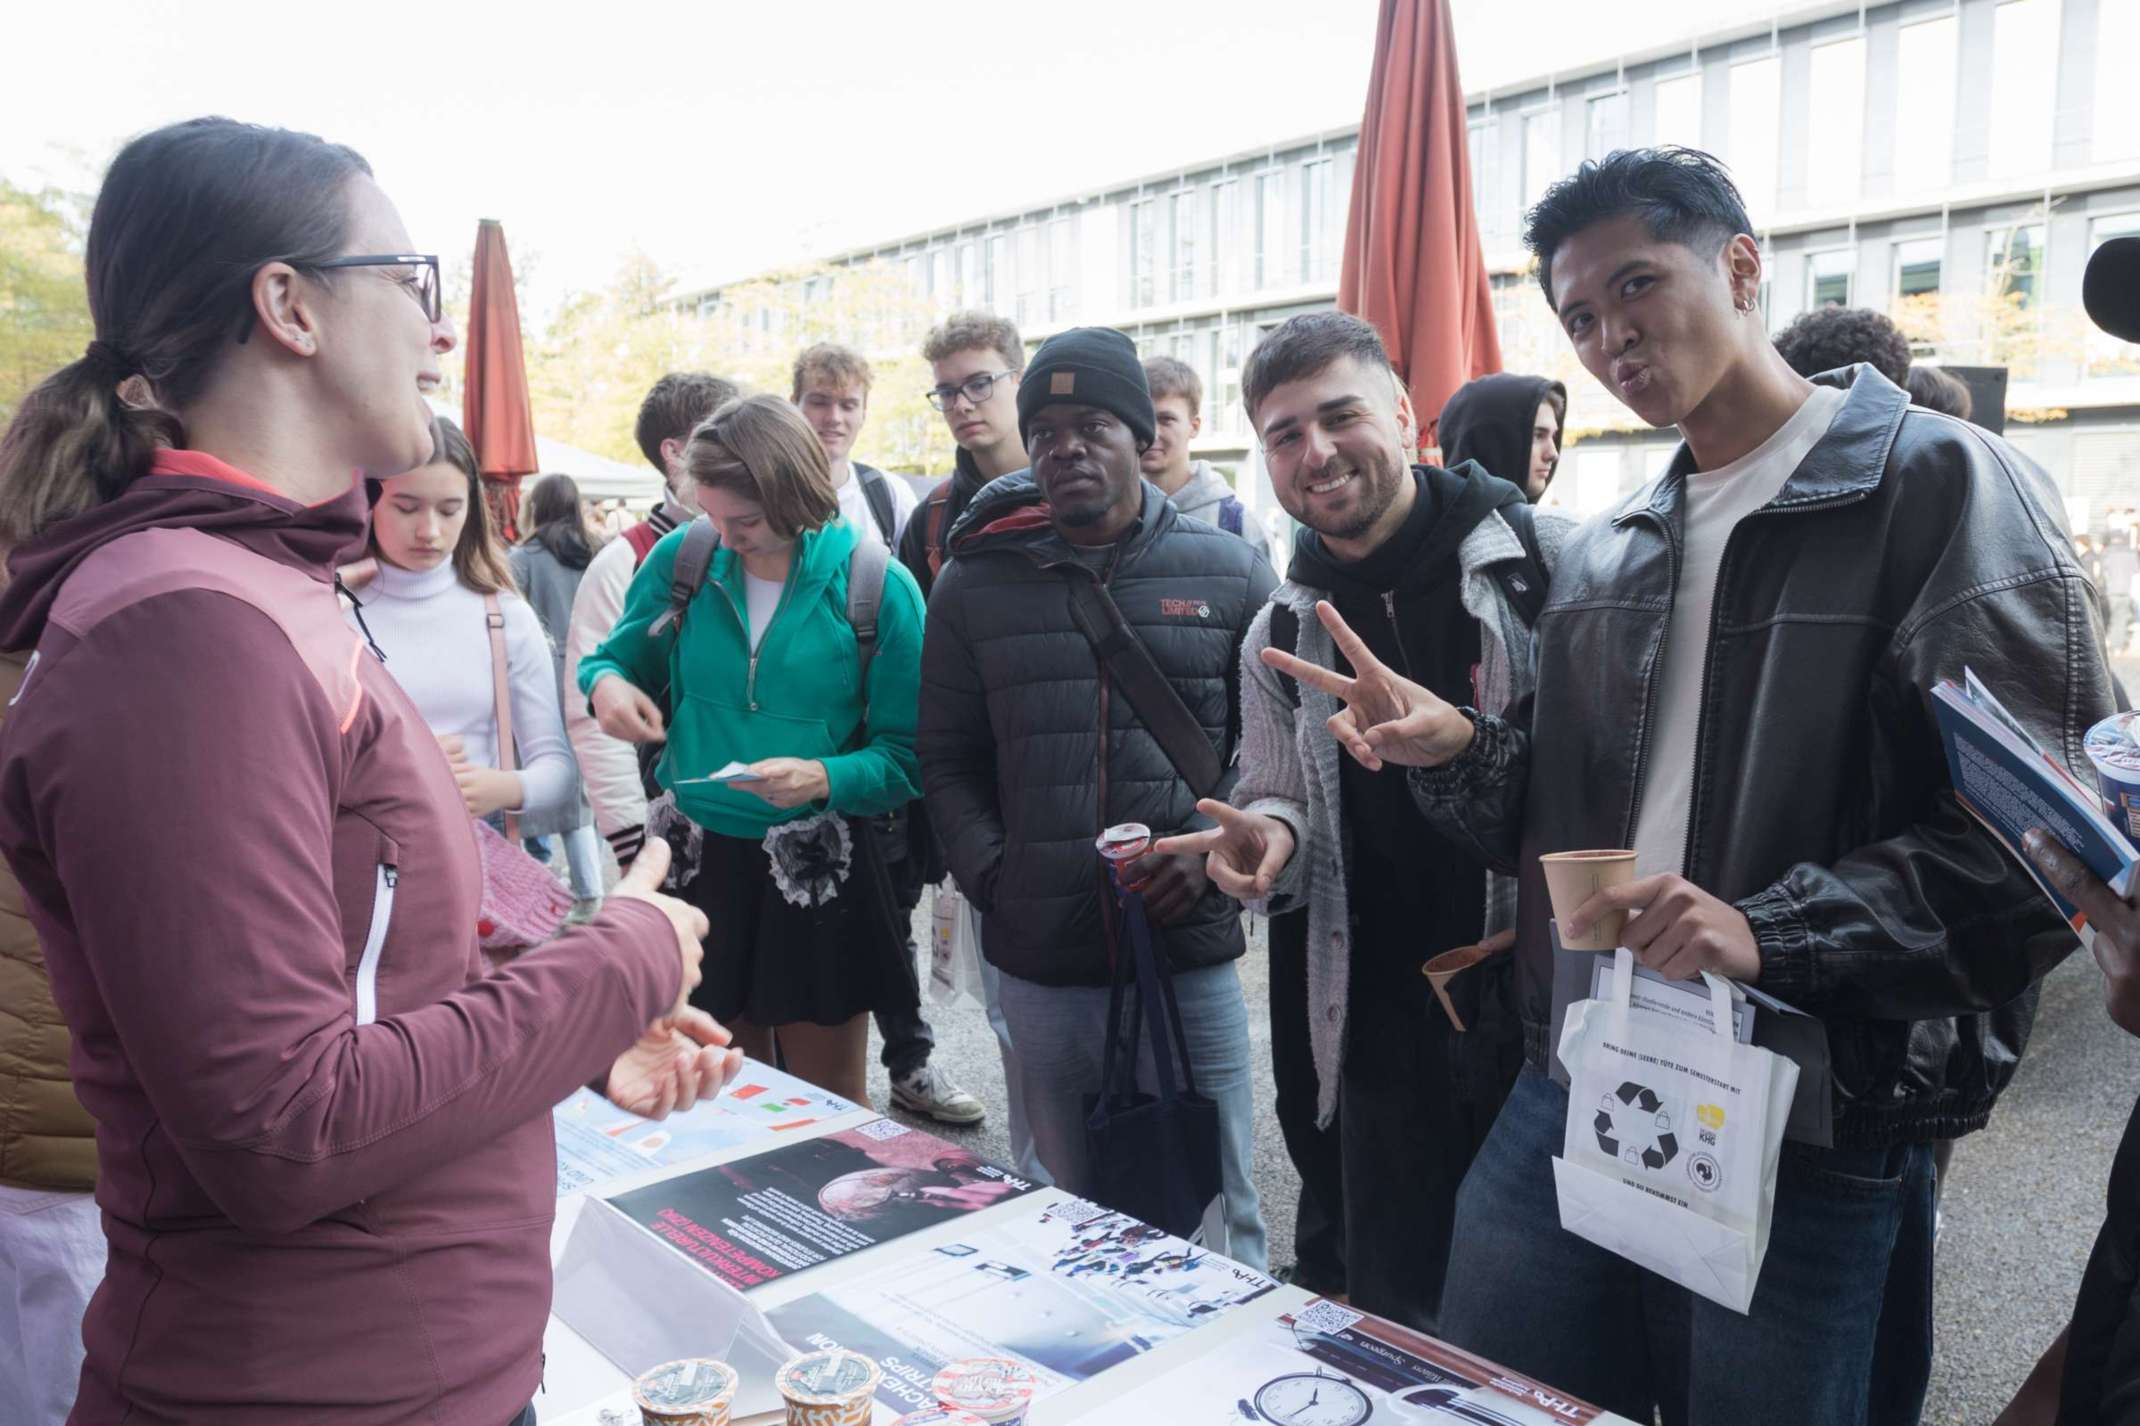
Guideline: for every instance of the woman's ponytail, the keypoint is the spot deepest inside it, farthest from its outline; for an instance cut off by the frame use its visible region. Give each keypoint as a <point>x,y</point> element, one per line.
<point>74,444</point>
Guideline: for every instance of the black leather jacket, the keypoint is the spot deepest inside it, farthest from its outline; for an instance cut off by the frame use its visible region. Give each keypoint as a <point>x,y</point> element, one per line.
<point>1906,547</point>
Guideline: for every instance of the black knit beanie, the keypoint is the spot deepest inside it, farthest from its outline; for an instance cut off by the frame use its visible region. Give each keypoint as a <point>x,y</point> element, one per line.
<point>1092,366</point>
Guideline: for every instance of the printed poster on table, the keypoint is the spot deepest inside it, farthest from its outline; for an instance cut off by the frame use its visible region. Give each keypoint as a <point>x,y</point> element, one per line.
<point>1333,1366</point>
<point>1069,1292</point>
<point>598,1143</point>
<point>797,1205</point>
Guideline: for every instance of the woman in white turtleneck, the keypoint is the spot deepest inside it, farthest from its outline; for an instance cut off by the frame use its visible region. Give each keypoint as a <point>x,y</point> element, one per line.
<point>424,610</point>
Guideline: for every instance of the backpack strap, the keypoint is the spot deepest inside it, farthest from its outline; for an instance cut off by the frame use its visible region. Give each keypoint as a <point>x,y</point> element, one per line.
<point>1233,516</point>
<point>1523,583</point>
<point>701,539</point>
<point>501,694</point>
<point>877,490</point>
<point>1285,637</point>
<point>938,516</point>
<point>866,569</point>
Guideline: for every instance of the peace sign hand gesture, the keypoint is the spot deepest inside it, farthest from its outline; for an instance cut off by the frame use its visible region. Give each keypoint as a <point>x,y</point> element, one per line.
<point>1242,855</point>
<point>1386,717</point>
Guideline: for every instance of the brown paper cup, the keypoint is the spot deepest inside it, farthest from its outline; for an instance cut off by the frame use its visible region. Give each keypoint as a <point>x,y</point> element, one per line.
<point>1572,878</point>
<point>1447,966</point>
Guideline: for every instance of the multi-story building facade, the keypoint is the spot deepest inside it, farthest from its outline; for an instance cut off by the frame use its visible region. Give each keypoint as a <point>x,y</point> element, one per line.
<point>1951,162</point>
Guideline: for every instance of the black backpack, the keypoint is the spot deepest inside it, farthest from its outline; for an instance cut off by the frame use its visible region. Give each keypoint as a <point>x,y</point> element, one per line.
<point>1523,582</point>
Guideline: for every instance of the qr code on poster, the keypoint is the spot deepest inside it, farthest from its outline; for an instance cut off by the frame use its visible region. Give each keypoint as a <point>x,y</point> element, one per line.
<point>882,1129</point>
<point>1320,1316</point>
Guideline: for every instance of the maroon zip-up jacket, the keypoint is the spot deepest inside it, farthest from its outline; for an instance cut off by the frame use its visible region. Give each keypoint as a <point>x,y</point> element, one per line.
<point>324,1152</point>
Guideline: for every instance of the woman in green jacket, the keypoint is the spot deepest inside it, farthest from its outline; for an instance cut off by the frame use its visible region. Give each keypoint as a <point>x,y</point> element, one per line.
<point>764,670</point>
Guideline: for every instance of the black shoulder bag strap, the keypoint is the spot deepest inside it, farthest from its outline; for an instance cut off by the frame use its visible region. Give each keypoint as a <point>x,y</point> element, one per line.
<point>1125,657</point>
<point>1524,582</point>
<point>877,490</point>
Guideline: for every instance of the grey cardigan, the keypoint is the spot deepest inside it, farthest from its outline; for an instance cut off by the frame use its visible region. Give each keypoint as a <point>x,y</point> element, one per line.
<point>1289,769</point>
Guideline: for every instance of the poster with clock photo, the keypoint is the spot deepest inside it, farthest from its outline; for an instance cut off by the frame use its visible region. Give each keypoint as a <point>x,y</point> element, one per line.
<point>1332,1366</point>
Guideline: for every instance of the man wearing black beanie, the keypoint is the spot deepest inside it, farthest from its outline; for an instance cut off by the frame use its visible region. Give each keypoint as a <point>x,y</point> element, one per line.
<point>1030,749</point>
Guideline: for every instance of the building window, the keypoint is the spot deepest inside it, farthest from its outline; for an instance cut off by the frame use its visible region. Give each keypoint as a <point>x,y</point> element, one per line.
<point>1270,228</point>
<point>1917,266</point>
<point>1322,224</point>
<point>1541,154</point>
<point>1756,104</point>
<point>1062,275</point>
<point>1605,124</point>
<point>1032,283</point>
<point>1828,277</point>
<point>2024,64</point>
<point>1679,109</point>
<point>1143,252</point>
<point>1475,141</point>
<point>1229,236</point>
<point>969,274</point>
<point>2117,97</point>
<point>1837,132</point>
<point>995,271</point>
<point>940,279</point>
<point>1226,409</point>
<point>1190,275</point>
<point>1924,119</point>
<point>2013,262</point>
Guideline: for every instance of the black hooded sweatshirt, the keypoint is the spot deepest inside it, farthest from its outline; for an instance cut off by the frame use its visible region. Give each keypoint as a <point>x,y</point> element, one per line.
<point>1404,600</point>
<point>1491,421</point>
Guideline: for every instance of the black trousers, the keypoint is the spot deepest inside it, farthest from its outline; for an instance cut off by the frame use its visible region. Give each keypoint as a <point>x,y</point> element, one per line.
<point>908,1040</point>
<point>1318,1223</point>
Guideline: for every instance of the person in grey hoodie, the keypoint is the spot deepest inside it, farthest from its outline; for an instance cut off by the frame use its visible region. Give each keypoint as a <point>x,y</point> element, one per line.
<point>1442,571</point>
<point>1195,486</point>
<point>324,1156</point>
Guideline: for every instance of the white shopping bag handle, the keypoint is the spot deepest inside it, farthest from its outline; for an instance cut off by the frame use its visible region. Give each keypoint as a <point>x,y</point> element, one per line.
<point>1623,989</point>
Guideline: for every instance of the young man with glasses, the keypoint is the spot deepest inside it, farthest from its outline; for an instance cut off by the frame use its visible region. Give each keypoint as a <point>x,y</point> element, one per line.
<point>975,359</point>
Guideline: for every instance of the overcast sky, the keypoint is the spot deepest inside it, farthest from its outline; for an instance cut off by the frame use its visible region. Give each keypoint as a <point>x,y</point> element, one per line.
<point>725,137</point>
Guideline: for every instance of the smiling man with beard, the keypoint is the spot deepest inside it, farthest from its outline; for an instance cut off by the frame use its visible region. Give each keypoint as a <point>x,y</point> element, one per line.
<point>1437,570</point>
<point>1030,749</point>
<point>1735,675</point>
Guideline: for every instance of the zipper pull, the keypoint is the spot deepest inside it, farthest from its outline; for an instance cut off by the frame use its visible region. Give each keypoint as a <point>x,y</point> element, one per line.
<point>1389,605</point>
<point>393,877</point>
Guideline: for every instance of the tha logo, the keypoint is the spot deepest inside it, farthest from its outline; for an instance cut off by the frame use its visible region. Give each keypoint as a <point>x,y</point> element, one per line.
<point>1632,1126</point>
<point>1707,1174</point>
<point>1185,608</point>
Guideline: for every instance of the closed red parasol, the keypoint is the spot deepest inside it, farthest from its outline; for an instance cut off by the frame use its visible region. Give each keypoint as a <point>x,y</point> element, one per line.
<point>1413,266</point>
<point>494,398</point>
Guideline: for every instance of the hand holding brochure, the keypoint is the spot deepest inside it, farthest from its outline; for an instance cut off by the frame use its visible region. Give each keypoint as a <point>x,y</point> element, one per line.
<point>733,772</point>
<point>2004,778</point>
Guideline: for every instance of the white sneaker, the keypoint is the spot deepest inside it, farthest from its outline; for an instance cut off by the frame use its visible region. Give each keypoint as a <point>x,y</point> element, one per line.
<point>930,1094</point>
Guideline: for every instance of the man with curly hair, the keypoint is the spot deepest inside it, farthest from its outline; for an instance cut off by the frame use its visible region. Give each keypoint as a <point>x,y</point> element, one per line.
<point>1830,338</point>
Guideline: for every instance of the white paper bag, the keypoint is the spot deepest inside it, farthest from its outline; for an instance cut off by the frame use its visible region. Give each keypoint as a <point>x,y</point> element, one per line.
<point>954,948</point>
<point>1673,1136</point>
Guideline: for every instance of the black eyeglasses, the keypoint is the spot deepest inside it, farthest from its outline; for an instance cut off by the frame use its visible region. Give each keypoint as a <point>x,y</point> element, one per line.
<point>421,283</point>
<point>974,388</point>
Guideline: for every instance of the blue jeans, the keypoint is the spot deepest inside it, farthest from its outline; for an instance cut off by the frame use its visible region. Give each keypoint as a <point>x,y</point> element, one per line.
<point>1524,1293</point>
<point>1060,1033</point>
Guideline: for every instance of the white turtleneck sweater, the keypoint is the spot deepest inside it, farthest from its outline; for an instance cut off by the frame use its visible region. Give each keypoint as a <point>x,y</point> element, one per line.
<point>437,645</point>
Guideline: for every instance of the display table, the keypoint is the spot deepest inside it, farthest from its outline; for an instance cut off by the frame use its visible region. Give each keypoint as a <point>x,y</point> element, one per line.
<point>776,1217</point>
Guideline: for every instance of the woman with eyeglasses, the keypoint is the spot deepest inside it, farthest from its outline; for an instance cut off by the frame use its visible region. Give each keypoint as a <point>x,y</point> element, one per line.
<point>770,666</point>
<point>324,1155</point>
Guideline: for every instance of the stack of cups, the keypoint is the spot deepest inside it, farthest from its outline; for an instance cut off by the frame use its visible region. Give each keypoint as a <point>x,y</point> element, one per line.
<point>696,1391</point>
<point>830,1388</point>
<point>2117,769</point>
<point>939,1416</point>
<point>1572,878</point>
<point>997,1390</point>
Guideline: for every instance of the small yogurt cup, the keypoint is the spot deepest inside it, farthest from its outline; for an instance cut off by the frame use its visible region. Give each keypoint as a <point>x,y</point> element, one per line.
<point>996,1389</point>
<point>2111,747</point>
<point>694,1391</point>
<point>829,1388</point>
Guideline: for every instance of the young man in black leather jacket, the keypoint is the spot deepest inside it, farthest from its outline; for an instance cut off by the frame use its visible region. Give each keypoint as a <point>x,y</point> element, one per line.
<point>1735,670</point>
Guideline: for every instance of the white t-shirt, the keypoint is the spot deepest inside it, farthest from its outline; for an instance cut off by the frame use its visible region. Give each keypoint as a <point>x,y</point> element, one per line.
<point>854,504</point>
<point>1716,500</point>
<point>762,597</point>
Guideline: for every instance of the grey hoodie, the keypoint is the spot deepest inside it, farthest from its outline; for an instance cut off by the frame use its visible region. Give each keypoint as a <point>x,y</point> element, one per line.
<point>1206,491</point>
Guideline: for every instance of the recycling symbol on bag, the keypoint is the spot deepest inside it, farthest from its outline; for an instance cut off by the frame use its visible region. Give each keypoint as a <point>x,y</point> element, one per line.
<point>1632,1126</point>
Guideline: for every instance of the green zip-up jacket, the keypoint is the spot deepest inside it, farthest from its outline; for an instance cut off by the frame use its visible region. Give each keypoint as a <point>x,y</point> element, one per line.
<point>798,697</point>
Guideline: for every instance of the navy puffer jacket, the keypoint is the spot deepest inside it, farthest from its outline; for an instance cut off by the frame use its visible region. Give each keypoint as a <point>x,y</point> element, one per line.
<point>1018,778</point>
